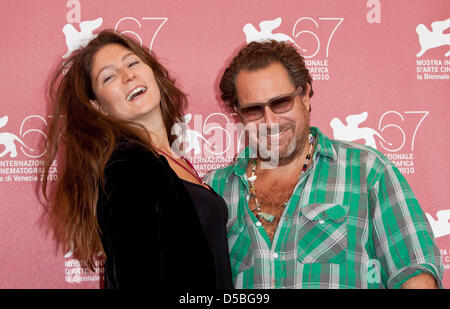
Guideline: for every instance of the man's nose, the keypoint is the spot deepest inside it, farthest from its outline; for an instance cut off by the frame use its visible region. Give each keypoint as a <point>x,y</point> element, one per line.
<point>270,117</point>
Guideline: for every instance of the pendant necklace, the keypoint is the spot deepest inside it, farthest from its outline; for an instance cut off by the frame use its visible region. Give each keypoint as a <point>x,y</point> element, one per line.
<point>263,215</point>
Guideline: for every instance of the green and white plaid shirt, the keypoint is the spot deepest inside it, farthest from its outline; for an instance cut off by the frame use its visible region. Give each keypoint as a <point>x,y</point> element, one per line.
<point>352,222</point>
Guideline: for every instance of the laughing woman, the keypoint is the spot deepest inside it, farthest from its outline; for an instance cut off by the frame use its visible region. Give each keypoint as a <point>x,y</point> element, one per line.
<point>121,190</point>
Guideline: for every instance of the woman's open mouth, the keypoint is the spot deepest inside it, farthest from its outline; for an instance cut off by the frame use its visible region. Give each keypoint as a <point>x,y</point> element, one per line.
<point>136,93</point>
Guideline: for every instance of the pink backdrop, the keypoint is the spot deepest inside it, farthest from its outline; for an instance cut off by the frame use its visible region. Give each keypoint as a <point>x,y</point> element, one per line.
<point>365,60</point>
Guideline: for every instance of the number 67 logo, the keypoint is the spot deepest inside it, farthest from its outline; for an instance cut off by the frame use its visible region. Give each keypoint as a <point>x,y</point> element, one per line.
<point>160,20</point>
<point>388,129</point>
<point>382,126</point>
<point>300,23</point>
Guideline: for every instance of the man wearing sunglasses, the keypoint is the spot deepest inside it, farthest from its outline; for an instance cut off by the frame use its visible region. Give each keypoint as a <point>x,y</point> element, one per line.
<point>306,211</point>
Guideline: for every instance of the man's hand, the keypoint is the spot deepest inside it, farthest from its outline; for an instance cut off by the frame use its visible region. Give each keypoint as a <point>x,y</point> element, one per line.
<point>422,281</point>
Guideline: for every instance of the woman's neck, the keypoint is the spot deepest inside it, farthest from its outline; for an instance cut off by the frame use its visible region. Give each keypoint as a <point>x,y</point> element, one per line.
<point>154,124</point>
<point>160,141</point>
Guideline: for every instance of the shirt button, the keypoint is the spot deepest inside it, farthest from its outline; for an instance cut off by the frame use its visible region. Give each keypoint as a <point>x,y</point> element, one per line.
<point>275,255</point>
<point>258,223</point>
<point>321,221</point>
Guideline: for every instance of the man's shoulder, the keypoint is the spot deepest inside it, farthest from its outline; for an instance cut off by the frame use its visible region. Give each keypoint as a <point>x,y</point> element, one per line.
<point>218,174</point>
<point>235,168</point>
<point>341,149</point>
<point>361,152</point>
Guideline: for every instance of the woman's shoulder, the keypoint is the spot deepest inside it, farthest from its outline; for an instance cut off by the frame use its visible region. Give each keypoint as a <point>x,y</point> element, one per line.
<point>131,152</point>
<point>129,156</point>
<point>131,162</point>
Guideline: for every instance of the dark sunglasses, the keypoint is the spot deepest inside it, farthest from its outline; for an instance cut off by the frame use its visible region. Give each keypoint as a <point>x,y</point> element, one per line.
<point>278,105</point>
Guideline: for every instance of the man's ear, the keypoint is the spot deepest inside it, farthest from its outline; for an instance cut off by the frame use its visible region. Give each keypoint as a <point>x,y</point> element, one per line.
<point>305,99</point>
<point>237,116</point>
<point>97,106</point>
<point>234,112</point>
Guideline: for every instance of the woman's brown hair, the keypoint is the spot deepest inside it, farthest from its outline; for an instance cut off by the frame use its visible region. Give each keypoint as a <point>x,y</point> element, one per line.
<point>83,139</point>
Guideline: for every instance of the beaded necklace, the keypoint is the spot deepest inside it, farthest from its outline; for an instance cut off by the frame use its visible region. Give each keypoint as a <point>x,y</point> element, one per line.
<point>263,215</point>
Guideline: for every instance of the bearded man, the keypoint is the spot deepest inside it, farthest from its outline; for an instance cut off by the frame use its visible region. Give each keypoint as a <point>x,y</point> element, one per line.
<point>305,211</point>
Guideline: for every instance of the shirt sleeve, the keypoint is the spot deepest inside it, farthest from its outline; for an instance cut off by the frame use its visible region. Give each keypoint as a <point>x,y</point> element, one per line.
<point>403,240</point>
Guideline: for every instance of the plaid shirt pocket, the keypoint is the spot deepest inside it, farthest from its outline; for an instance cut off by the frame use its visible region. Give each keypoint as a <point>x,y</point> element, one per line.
<point>242,257</point>
<point>322,234</point>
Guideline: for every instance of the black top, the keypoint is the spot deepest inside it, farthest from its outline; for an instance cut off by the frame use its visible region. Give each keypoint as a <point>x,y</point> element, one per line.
<point>149,226</point>
<point>213,214</point>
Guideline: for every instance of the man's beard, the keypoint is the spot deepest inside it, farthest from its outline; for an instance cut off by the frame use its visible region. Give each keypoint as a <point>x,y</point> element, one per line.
<point>296,146</point>
<point>274,155</point>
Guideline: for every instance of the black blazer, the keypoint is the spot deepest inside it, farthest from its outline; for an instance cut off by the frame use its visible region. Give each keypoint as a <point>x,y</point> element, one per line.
<point>150,230</point>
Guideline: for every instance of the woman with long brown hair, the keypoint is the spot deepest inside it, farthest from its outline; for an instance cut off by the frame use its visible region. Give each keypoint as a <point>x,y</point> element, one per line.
<point>121,190</point>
